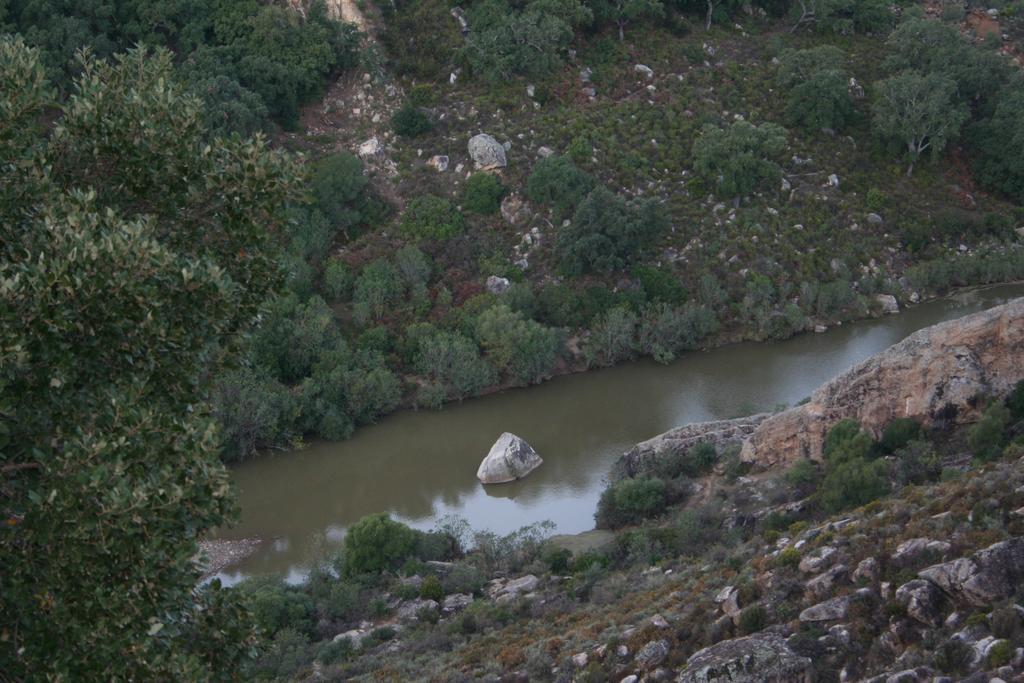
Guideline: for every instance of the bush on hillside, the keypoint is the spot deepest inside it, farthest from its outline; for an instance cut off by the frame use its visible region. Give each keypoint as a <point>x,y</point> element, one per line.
<point>607,233</point>
<point>557,182</point>
<point>483,194</point>
<point>410,122</point>
<point>338,185</point>
<point>431,217</point>
<point>737,159</point>
<point>631,501</point>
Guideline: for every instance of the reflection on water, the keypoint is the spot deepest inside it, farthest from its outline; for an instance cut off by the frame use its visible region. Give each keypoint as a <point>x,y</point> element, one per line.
<point>421,466</point>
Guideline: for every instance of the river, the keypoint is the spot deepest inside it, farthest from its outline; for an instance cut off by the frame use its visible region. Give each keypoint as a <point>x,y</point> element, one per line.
<point>419,466</point>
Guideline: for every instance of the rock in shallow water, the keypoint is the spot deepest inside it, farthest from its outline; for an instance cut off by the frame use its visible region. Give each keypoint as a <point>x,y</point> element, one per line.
<point>510,458</point>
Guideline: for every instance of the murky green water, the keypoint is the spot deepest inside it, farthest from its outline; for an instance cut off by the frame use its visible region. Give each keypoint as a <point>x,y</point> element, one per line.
<point>420,466</point>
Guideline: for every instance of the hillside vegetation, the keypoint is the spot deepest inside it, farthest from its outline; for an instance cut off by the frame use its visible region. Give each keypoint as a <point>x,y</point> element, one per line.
<point>665,187</point>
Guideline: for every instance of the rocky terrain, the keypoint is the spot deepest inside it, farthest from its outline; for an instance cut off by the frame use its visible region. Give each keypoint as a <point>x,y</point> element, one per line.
<point>751,574</point>
<point>937,376</point>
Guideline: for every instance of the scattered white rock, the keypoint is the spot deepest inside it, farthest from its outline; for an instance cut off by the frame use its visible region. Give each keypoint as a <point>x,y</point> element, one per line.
<point>498,285</point>
<point>439,163</point>
<point>889,304</point>
<point>487,152</point>
<point>370,148</point>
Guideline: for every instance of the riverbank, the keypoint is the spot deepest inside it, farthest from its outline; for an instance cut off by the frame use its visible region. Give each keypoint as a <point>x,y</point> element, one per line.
<point>419,466</point>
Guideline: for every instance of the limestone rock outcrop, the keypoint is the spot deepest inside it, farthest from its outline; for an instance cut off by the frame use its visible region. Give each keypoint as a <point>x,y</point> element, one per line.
<point>935,375</point>
<point>487,152</point>
<point>761,658</point>
<point>676,443</point>
<point>986,577</point>
<point>510,458</point>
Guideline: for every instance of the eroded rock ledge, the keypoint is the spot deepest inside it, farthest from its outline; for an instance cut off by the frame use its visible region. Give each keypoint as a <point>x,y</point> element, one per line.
<point>938,375</point>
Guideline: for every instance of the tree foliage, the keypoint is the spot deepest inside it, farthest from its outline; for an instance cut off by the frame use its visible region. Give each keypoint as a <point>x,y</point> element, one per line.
<point>376,543</point>
<point>608,233</point>
<point>738,159</point>
<point>920,112</point>
<point>243,57</point>
<point>818,86</point>
<point>506,42</point>
<point>133,253</point>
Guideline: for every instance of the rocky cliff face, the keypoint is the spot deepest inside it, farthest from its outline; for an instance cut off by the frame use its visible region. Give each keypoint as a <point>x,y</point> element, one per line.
<point>644,457</point>
<point>939,374</point>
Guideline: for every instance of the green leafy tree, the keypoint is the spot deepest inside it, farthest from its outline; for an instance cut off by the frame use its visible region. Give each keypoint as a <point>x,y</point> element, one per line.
<point>738,159</point>
<point>1000,142</point>
<point>608,233</point>
<point>133,251</point>
<point>523,348</point>
<point>918,111</point>
<point>622,13</point>
<point>453,361</point>
<point>818,86</point>
<point>376,543</point>
<point>557,182</point>
<point>506,43</point>
<point>933,47</point>
<point>432,217</point>
<point>844,16</point>
<point>613,339</point>
<point>377,288</point>
<point>339,187</point>
<point>483,194</point>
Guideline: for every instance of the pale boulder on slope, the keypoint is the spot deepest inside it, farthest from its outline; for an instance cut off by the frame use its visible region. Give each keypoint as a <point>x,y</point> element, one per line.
<point>510,458</point>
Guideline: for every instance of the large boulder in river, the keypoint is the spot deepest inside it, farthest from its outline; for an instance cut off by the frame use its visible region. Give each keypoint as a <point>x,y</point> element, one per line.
<point>933,376</point>
<point>510,458</point>
<point>486,152</point>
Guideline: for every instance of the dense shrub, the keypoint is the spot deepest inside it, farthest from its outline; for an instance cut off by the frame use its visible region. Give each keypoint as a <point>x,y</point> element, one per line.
<point>524,349</point>
<point>431,217</point>
<point>1000,139</point>
<point>818,87</point>
<point>338,184</point>
<point>277,606</point>
<point>505,42</point>
<point>377,289</point>
<point>608,233</point>
<point>556,182</point>
<point>243,57</point>
<point>852,478</point>
<point>337,280</point>
<point>753,619</point>
<point>612,339</point>
<point>453,362</point>
<point>738,159</point>
<point>666,331</point>
<point>631,501</point>
<point>988,436</point>
<point>898,433</point>
<point>254,411</point>
<point>410,122</point>
<point>1015,401</point>
<point>483,194</point>
<point>376,543</point>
